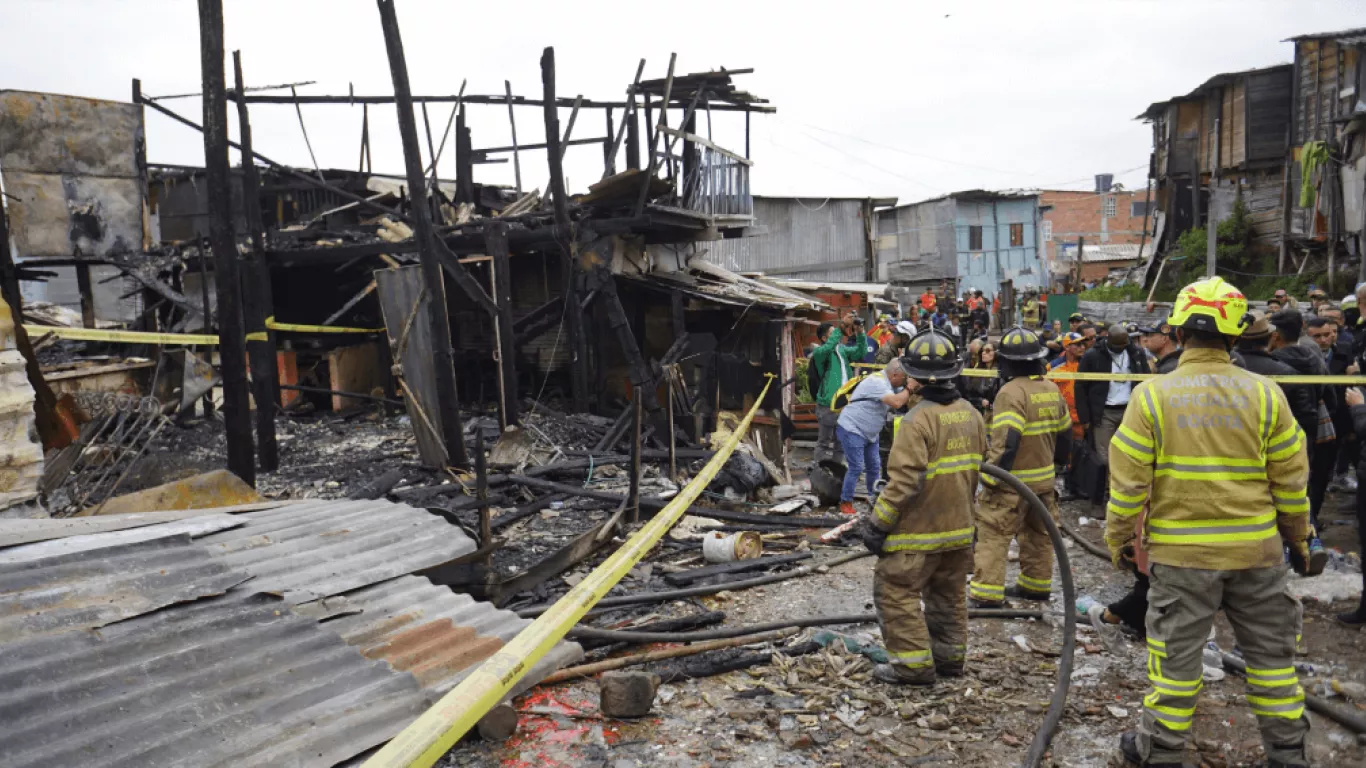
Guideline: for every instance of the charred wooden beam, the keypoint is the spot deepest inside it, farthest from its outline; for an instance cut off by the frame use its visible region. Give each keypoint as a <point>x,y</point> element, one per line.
<point>497,239</point>
<point>564,234</point>
<point>448,401</point>
<point>287,170</point>
<point>642,380</point>
<point>684,578</point>
<point>497,100</point>
<point>547,309</point>
<point>231,334</point>
<point>257,295</point>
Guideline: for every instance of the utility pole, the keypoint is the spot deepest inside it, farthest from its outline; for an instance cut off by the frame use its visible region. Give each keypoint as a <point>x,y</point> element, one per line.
<point>232,345</point>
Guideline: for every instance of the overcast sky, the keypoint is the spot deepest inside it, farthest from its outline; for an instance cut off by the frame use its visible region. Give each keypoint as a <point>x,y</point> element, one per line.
<point>905,99</point>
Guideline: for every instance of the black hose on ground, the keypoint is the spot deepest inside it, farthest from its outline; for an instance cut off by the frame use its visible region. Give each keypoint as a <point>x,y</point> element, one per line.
<point>1084,542</point>
<point>628,636</point>
<point>709,589</point>
<point>1053,716</point>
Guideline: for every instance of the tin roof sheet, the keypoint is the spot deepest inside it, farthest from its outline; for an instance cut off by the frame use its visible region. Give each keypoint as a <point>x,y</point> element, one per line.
<point>94,587</point>
<point>307,551</point>
<point>232,680</point>
<point>436,634</point>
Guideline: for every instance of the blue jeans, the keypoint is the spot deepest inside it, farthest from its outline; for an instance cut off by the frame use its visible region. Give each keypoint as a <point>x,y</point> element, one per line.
<point>862,458</point>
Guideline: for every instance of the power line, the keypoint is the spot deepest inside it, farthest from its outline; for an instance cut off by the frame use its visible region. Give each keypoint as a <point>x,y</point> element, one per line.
<point>917,154</point>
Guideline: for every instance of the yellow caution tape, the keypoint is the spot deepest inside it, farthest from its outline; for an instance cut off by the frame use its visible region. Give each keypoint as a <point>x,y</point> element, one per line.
<point>430,736</point>
<point>992,373</point>
<point>125,337</point>
<point>187,339</point>
<point>296,328</point>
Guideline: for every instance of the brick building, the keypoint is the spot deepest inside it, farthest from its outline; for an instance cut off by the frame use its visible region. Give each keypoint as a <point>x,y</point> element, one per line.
<point>1114,217</point>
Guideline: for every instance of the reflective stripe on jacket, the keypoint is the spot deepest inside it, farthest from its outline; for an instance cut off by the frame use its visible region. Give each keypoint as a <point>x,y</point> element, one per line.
<point>932,472</point>
<point>1217,455</point>
<point>1035,408</point>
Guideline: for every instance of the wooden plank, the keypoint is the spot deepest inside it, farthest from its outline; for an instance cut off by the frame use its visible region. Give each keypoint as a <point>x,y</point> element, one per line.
<point>695,139</point>
<point>354,369</point>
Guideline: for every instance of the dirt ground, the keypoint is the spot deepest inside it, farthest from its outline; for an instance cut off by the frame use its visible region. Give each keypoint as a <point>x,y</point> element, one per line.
<point>824,709</point>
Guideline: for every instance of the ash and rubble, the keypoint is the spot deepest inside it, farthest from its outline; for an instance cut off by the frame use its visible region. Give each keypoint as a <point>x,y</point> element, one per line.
<point>818,708</point>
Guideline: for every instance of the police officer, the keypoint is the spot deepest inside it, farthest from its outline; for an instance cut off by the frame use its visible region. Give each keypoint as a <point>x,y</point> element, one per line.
<point>1031,432</point>
<point>1216,454</point>
<point>921,525</point>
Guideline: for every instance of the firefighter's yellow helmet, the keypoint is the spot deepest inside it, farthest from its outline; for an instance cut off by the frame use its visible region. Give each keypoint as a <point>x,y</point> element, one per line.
<point>1211,305</point>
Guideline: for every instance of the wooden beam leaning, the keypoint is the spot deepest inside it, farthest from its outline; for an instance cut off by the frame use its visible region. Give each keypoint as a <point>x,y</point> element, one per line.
<point>257,295</point>
<point>654,137</point>
<point>497,239</point>
<point>516,154</point>
<point>431,249</point>
<point>628,117</point>
<point>231,336</point>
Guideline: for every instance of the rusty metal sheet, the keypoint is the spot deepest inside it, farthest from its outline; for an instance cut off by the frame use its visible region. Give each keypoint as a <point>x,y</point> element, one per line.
<point>236,680</point>
<point>309,551</point>
<point>437,635</point>
<point>95,587</point>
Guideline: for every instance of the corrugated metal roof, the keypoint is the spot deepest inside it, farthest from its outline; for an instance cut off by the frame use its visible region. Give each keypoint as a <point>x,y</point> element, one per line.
<point>193,526</point>
<point>437,635</point>
<point>307,551</point>
<point>806,238</point>
<point>92,588</point>
<point>236,680</point>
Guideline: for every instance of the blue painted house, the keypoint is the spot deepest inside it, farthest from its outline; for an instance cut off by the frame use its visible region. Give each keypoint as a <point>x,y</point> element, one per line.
<point>979,239</point>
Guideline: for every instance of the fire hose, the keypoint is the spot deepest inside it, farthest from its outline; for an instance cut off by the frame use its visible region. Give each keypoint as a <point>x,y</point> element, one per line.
<point>1053,716</point>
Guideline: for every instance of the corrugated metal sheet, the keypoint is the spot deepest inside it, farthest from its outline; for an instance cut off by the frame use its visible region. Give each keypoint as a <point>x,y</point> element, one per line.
<point>308,551</point>
<point>92,588</point>
<point>806,238</point>
<point>437,635</point>
<point>63,539</point>
<point>235,680</point>
<point>399,291</point>
<point>916,242</point>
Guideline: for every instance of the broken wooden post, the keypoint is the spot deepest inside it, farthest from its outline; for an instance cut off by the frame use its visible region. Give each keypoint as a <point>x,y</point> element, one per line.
<point>481,491</point>
<point>641,377</point>
<point>633,497</point>
<point>673,436</point>
<point>654,135</point>
<point>609,160</point>
<point>231,336</point>
<point>464,161</point>
<point>496,241</point>
<point>564,234</point>
<point>87,293</point>
<point>448,402</point>
<point>257,295</point>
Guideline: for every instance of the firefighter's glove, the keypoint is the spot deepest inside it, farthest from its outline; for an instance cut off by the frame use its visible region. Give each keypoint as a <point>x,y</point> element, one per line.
<point>1299,557</point>
<point>872,536</point>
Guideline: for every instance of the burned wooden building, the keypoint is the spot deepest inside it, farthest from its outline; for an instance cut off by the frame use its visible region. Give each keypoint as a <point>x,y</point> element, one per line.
<point>1225,139</point>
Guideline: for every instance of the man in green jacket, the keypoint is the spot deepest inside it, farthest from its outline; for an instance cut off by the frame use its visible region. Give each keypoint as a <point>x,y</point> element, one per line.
<point>840,347</point>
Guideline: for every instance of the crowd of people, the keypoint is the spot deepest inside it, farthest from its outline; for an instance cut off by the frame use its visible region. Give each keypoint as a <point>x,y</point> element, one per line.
<point>1210,477</point>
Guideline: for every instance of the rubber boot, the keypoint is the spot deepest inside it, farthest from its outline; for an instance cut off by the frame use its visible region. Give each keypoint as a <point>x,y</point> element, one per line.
<point>1128,750</point>
<point>888,673</point>
<point>948,668</point>
<point>1301,759</point>
<point>1355,619</point>
<point>1020,593</point>
<point>988,604</point>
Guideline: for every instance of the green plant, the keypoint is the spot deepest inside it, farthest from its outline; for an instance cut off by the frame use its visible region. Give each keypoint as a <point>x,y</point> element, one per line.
<point>804,394</point>
<point>1130,292</point>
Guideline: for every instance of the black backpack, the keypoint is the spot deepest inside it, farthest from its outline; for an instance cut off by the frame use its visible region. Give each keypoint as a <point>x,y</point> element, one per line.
<point>813,379</point>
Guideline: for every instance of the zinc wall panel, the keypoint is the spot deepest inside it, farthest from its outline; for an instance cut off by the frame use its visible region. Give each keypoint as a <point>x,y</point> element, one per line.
<point>806,239</point>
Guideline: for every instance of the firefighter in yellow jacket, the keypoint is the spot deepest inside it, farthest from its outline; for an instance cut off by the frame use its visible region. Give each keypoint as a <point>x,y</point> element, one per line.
<point>921,525</point>
<point>1217,456</point>
<point>1031,431</point>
